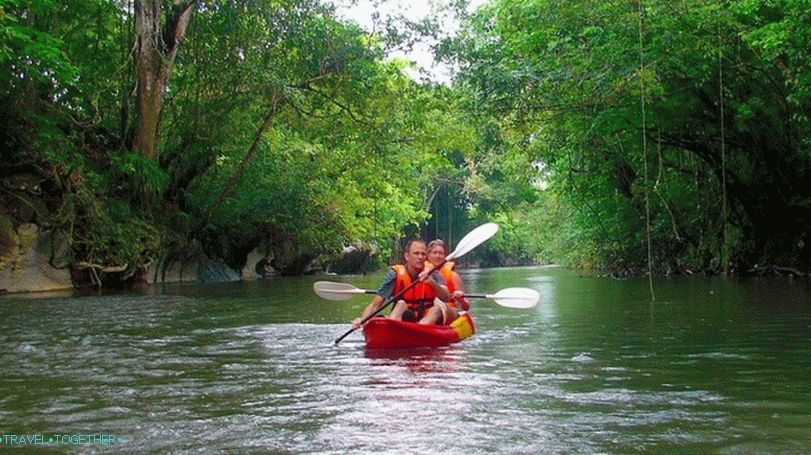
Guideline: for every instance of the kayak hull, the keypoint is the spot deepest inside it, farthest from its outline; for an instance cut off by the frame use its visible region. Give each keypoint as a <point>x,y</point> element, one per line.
<point>385,333</point>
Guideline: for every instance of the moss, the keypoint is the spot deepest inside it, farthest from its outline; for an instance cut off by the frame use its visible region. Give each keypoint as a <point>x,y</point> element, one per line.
<point>8,240</point>
<point>26,235</point>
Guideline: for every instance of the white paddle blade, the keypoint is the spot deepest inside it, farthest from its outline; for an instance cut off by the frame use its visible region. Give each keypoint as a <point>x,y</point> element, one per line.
<point>335,291</point>
<point>516,297</point>
<point>473,239</point>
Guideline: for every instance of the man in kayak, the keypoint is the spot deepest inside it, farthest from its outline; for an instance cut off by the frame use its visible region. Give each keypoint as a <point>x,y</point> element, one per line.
<point>437,251</point>
<point>417,304</point>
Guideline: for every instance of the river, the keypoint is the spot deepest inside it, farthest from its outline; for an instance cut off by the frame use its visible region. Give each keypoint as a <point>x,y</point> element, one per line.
<point>712,365</point>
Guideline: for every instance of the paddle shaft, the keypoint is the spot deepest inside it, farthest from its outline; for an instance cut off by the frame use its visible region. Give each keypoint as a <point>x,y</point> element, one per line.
<point>385,304</point>
<point>476,296</point>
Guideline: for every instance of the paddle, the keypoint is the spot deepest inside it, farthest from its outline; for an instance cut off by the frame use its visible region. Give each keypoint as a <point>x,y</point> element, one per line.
<point>473,239</point>
<point>331,290</point>
<point>509,297</point>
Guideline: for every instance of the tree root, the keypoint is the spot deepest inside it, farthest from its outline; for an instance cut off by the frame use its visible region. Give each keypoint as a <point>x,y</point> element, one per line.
<point>95,279</point>
<point>776,270</point>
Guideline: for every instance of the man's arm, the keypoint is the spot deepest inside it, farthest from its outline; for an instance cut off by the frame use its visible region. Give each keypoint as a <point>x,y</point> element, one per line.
<point>386,288</point>
<point>438,283</point>
<point>373,306</point>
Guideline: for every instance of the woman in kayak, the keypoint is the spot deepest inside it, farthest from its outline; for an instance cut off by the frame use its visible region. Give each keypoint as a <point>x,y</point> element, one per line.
<point>417,304</point>
<point>437,250</point>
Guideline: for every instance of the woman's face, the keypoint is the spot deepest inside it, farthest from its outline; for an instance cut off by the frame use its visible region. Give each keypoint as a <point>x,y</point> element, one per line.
<point>436,254</point>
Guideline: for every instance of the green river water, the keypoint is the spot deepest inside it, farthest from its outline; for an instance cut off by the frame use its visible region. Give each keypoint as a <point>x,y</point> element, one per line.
<point>712,366</point>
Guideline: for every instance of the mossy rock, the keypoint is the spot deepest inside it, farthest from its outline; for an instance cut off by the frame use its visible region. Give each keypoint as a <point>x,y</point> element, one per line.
<point>355,258</point>
<point>27,234</point>
<point>8,239</point>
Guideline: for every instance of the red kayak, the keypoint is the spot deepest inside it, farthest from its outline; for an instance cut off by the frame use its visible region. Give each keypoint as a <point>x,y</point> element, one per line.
<point>385,333</point>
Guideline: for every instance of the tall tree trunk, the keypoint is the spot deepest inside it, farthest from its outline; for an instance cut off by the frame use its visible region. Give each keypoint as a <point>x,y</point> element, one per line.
<point>155,50</point>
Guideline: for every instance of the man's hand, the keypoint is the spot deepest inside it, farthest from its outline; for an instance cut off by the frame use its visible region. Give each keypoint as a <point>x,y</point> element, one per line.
<point>426,276</point>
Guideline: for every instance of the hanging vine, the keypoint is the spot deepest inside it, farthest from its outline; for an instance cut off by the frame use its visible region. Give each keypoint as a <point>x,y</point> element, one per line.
<point>725,244</point>
<point>645,154</point>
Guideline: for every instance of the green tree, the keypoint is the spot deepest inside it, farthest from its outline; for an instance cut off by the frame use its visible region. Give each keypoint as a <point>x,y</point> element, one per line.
<point>563,79</point>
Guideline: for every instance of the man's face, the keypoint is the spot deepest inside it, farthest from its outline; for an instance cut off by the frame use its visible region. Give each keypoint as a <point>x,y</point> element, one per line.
<point>436,254</point>
<point>416,255</point>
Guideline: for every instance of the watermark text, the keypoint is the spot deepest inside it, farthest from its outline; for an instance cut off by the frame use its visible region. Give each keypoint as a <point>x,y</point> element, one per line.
<point>73,439</point>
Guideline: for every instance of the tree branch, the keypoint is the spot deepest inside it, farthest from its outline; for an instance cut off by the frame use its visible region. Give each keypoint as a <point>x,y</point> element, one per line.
<point>276,103</point>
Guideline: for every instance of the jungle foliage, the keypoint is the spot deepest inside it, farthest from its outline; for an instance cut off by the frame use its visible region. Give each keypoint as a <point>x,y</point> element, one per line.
<point>158,128</point>
<point>697,109</point>
<point>169,128</point>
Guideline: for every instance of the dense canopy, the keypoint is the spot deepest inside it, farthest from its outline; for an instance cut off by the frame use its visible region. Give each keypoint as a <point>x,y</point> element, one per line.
<point>672,135</point>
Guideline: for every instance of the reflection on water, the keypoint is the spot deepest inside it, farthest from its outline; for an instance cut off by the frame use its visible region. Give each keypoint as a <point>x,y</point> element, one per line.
<point>713,366</point>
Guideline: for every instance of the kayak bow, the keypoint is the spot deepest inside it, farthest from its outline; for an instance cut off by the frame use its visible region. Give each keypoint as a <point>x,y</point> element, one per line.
<point>385,333</point>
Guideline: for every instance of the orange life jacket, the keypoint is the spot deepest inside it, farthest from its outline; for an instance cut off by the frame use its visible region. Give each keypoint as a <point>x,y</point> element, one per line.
<point>419,298</point>
<point>447,274</point>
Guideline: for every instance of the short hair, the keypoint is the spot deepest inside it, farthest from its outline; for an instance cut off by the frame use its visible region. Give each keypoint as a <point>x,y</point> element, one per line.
<point>412,241</point>
<point>438,242</point>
